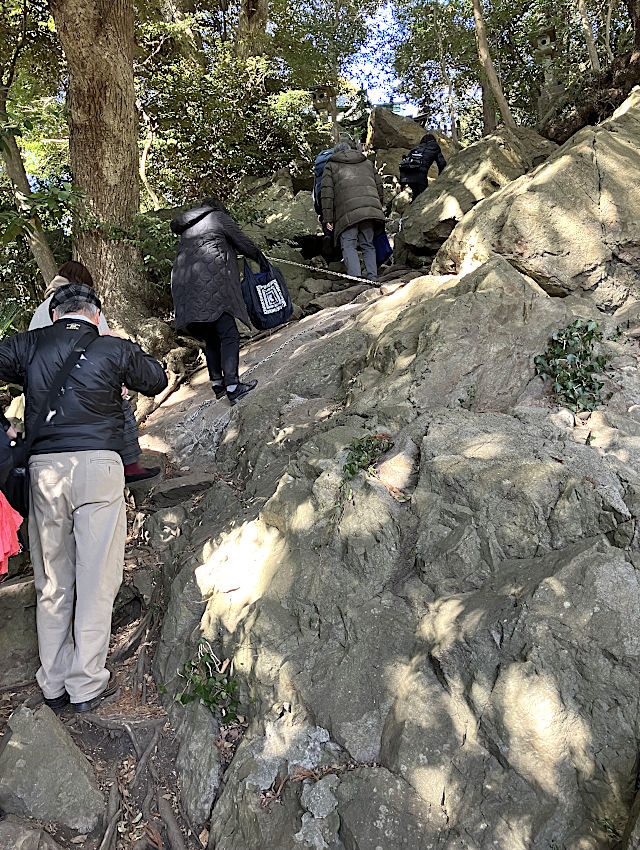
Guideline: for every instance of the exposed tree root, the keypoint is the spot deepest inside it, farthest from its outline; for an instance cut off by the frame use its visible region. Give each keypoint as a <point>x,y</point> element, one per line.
<point>173,830</point>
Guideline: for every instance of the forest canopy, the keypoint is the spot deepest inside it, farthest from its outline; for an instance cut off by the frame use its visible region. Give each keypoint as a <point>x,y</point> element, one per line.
<point>107,119</point>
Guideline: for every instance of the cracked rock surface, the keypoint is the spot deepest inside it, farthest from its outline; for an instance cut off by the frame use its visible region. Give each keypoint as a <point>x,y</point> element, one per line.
<point>472,174</point>
<point>573,224</point>
<point>447,654</point>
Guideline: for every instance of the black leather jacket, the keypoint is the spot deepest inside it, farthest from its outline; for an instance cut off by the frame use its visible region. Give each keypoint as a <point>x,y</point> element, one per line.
<point>87,415</point>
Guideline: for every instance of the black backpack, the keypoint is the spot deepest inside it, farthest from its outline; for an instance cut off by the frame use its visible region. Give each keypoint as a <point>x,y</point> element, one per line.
<point>413,161</point>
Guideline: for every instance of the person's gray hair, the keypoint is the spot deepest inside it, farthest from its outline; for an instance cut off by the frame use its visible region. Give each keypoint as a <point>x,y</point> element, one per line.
<point>76,305</point>
<point>342,146</point>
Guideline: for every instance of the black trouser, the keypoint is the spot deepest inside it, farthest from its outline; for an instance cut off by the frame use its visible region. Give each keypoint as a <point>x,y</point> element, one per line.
<point>417,186</point>
<point>221,348</point>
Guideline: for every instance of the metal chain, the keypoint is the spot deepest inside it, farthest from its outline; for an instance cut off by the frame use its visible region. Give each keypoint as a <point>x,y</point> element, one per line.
<point>277,350</point>
<point>255,366</point>
<point>321,270</point>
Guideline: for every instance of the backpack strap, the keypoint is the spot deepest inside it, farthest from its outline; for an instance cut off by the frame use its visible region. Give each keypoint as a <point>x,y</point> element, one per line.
<point>81,345</point>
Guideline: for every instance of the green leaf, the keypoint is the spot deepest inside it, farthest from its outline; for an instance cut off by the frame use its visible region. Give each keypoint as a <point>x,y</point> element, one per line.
<point>185,699</point>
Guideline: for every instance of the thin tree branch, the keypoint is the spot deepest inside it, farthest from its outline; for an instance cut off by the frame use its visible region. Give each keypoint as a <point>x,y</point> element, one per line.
<point>18,50</point>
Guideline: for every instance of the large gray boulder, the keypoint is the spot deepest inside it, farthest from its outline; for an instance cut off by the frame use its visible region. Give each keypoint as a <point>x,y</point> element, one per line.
<point>451,639</point>
<point>279,213</point>
<point>387,129</point>
<point>471,175</point>
<point>19,659</point>
<point>16,834</point>
<point>573,224</point>
<point>44,775</point>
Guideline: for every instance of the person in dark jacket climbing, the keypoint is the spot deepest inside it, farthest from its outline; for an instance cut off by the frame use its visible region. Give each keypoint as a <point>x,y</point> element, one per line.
<point>414,168</point>
<point>352,198</point>
<point>207,297</point>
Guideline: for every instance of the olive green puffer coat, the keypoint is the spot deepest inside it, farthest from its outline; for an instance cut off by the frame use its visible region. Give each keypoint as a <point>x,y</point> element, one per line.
<point>351,191</point>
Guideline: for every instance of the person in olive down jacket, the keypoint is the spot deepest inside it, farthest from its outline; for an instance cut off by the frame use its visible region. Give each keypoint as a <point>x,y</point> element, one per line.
<point>352,199</point>
<point>207,297</point>
<point>425,154</point>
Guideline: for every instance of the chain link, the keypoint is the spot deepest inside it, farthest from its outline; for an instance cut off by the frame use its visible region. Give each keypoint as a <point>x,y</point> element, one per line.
<point>321,270</point>
<point>255,366</point>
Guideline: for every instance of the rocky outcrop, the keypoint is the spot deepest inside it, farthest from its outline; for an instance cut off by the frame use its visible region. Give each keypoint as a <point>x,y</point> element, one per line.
<point>444,653</point>
<point>19,660</point>
<point>387,129</point>
<point>572,224</point>
<point>392,136</point>
<point>276,212</point>
<point>475,173</point>
<point>15,834</point>
<point>44,775</point>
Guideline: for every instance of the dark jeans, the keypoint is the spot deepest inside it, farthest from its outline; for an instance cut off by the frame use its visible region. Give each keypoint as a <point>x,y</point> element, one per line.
<point>221,348</point>
<point>417,187</point>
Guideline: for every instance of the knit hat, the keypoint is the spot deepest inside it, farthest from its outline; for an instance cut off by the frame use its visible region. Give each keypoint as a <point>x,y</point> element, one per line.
<point>73,290</point>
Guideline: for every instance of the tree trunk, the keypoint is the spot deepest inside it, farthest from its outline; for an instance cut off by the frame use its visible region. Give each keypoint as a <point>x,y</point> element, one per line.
<point>252,27</point>
<point>14,164</point>
<point>634,13</point>
<point>446,78</point>
<point>607,31</point>
<point>588,36</point>
<point>98,42</point>
<point>37,240</point>
<point>487,64</point>
<point>489,122</point>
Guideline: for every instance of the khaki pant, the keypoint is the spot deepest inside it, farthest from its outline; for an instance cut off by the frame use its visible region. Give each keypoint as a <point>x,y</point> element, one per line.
<point>77,533</point>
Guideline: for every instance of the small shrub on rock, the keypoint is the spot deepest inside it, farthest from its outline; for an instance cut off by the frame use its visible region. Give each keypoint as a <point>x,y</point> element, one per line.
<point>570,362</point>
<point>207,679</point>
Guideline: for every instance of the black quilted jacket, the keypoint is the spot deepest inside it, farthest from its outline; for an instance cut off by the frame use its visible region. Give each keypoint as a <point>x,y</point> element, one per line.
<point>205,282</point>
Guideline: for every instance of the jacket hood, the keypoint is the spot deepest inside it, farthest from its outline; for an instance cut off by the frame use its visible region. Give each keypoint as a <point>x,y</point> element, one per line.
<point>187,219</point>
<point>350,156</point>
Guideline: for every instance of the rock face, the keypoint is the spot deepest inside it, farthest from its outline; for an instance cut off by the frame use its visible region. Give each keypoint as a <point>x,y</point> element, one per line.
<point>281,213</point>
<point>387,129</point>
<point>475,173</point>
<point>60,787</point>
<point>172,491</point>
<point>15,834</point>
<point>19,660</point>
<point>444,654</point>
<point>392,136</point>
<point>572,224</point>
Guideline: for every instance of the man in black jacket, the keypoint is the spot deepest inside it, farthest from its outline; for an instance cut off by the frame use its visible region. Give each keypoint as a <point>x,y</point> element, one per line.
<point>77,523</point>
<point>414,172</point>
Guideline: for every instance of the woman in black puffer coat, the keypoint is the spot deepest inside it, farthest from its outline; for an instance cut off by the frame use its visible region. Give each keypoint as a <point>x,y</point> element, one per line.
<point>205,284</point>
